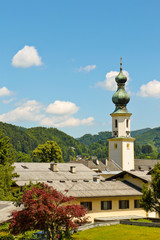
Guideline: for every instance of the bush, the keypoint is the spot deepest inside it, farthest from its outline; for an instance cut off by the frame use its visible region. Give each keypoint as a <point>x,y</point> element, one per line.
<point>27,235</point>
<point>141,220</point>
<point>4,236</point>
<point>4,227</point>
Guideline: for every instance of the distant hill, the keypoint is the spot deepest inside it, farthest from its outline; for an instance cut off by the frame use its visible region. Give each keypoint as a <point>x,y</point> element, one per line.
<point>139,132</point>
<point>88,139</point>
<point>151,137</point>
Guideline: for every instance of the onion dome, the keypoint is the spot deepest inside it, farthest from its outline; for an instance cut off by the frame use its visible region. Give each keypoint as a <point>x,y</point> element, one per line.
<point>121,78</point>
<point>121,97</point>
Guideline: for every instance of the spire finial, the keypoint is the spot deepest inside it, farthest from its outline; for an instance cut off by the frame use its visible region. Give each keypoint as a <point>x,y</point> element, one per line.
<point>120,64</point>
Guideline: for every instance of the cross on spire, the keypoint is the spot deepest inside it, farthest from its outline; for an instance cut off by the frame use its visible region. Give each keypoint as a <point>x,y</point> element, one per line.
<point>121,64</point>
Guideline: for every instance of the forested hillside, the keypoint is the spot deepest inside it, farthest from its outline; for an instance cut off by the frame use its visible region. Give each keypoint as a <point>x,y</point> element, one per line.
<point>24,141</point>
<point>88,139</point>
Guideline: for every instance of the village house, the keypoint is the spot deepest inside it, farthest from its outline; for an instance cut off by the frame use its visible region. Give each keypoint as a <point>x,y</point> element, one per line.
<point>102,198</point>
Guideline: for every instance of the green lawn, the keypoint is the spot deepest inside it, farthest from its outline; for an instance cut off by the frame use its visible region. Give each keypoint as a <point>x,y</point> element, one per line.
<point>119,232</point>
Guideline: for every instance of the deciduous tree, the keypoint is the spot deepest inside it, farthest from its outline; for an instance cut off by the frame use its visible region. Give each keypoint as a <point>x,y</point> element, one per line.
<point>47,209</point>
<point>151,194</point>
<point>48,152</point>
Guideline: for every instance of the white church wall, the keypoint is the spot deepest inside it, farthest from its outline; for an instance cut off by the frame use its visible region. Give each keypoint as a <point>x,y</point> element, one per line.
<point>128,155</point>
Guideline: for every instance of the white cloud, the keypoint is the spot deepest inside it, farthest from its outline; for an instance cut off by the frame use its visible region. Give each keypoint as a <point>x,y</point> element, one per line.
<point>26,57</point>
<point>109,83</point>
<point>151,89</point>
<point>7,101</point>
<point>62,108</point>
<point>27,112</point>
<point>33,111</point>
<point>73,122</point>
<point>88,68</point>
<point>5,92</point>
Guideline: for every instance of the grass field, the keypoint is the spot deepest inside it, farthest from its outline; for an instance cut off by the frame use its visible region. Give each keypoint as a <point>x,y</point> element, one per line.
<point>119,232</point>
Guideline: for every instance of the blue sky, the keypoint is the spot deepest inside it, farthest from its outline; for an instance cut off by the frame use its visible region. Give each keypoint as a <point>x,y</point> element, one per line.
<point>58,60</point>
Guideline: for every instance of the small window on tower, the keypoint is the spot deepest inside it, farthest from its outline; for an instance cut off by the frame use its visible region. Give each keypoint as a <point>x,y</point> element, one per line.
<point>128,146</point>
<point>116,123</point>
<point>115,145</point>
<point>127,123</point>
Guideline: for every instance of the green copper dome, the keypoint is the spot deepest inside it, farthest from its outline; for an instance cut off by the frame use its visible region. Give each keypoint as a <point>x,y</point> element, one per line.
<point>121,78</point>
<point>121,97</point>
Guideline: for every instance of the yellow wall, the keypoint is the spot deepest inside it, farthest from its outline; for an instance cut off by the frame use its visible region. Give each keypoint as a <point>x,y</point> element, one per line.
<point>97,212</point>
<point>136,181</point>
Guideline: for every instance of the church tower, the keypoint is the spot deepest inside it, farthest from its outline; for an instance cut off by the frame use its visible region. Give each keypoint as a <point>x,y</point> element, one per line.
<point>121,145</point>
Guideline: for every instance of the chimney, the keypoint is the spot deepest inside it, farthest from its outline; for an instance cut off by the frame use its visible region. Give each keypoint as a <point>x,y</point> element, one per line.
<point>53,167</point>
<point>73,169</point>
<point>104,161</point>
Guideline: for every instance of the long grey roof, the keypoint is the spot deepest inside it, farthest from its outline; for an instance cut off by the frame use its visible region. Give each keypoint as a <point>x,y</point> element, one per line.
<point>94,189</point>
<point>41,172</point>
<point>79,184</point>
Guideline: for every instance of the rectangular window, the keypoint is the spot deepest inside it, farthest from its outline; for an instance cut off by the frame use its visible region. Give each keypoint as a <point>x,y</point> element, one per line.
<point>128,146</point>
<point>116,123</point>
<point>106,205</point>
<point>123,204</point>
<point>87,205</point>
<point>115,145</point>
<point>137,204</point>
<point>127,123</point>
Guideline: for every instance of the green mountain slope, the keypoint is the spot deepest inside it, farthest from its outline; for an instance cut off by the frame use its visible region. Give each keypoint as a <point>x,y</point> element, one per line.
<point>139,132</point>
<point>66,142</point>
<point>88,139</point>
<point>26,140</point>
<point>151,137</point>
